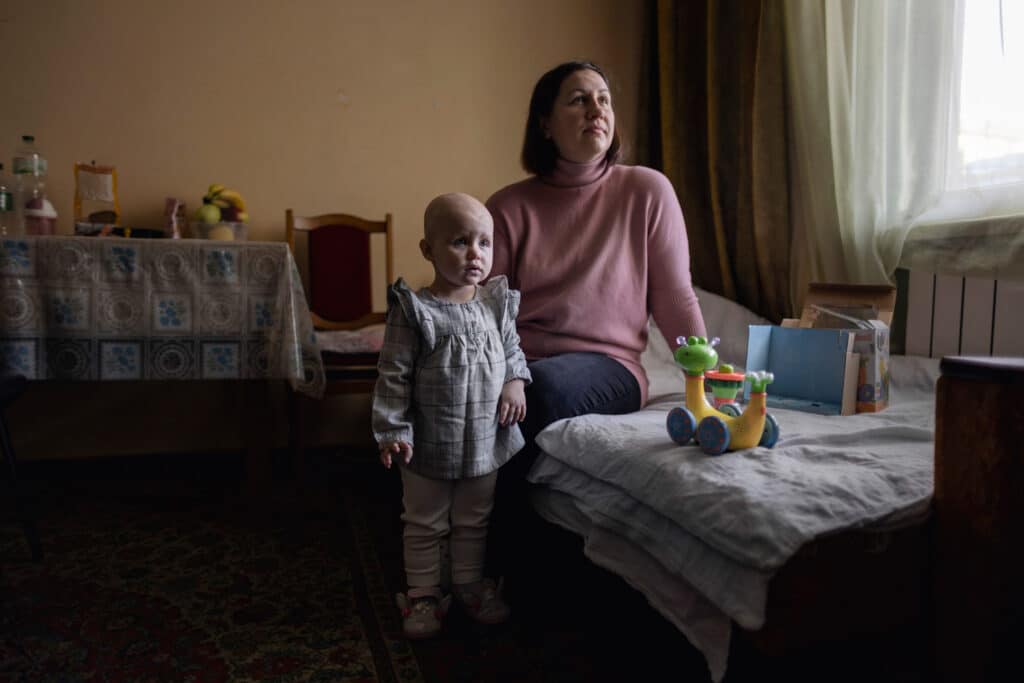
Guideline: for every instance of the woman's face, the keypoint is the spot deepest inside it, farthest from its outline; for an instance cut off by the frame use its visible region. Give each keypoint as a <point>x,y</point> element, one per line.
<point>582,122</point>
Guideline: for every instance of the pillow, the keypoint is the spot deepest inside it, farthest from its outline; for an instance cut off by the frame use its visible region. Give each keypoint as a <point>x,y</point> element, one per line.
<point>912,377</point>
<point>664,377</point>
<point>723,318</point>
<point>729,321</point>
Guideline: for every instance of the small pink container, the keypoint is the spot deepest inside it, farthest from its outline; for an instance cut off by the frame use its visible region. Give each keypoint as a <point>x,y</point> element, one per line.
<point>41,221</point>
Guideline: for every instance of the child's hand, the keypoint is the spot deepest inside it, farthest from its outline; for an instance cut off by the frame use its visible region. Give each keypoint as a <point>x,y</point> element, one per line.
<point>512,405</point>
<point>390,448</point>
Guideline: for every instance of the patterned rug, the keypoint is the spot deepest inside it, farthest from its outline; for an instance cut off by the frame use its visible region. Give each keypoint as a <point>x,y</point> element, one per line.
<point>158,569</point>
<point>145,579</point>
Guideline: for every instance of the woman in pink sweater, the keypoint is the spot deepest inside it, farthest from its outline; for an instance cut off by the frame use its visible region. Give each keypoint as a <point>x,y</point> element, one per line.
<point>595,248</point>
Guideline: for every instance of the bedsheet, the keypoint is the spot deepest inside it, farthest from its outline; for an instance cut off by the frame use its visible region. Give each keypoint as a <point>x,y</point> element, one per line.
<point>722,526</point>
<point>703,624</point>
<point>707,627</point>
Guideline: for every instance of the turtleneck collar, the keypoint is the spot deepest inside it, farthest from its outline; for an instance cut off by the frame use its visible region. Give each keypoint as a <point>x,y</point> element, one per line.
<point>572,174</point>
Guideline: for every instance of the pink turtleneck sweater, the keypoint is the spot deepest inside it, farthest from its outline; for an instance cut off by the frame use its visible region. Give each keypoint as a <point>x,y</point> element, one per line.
<point>595,249</point>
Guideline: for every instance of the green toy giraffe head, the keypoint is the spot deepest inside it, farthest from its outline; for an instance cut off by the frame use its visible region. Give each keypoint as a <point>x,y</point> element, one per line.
<point>696,354</point>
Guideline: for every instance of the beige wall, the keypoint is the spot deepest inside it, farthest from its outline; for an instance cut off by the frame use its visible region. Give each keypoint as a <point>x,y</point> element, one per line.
<point>318,105</point>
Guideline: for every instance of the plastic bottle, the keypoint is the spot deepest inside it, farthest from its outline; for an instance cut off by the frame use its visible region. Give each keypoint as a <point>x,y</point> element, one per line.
<point>7,227</point>
<point>29,170</point>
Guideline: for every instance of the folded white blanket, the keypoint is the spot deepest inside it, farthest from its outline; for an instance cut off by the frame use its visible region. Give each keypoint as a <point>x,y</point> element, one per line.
<point>759,506</point>
<point>718,527</point>
<point>739,591</point>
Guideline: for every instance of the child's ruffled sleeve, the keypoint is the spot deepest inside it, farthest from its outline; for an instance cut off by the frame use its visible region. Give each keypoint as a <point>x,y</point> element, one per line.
<point>392,396</point>
<point>507,308</point>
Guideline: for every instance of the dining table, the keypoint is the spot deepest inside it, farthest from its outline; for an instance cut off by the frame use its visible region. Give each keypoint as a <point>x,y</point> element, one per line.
<point>156,311</point>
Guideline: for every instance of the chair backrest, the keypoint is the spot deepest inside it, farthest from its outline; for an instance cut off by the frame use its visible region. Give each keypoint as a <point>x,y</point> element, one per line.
<point>339,267</point>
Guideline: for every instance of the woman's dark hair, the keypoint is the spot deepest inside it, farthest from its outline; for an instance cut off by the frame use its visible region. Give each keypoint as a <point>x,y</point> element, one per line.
<point>539,152</point>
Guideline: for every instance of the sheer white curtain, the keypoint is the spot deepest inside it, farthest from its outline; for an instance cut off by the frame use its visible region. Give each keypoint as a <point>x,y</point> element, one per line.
<point>871,96</point>
<point>877,140</point>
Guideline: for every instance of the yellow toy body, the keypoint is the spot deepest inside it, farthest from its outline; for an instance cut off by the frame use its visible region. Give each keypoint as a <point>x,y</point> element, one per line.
<point>697,400</point>
<point>718,431</point>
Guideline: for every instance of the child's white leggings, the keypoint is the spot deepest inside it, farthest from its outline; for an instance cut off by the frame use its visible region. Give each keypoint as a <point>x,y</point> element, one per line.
<point>429,505</point>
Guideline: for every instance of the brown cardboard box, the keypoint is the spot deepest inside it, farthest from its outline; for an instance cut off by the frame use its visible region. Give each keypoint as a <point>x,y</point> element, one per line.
<point>880,298</point>
<point>867,311</point>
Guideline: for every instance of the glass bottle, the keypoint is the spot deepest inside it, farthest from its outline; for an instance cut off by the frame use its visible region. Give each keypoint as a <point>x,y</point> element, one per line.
<point>7,226</point>
<point>29,170</point>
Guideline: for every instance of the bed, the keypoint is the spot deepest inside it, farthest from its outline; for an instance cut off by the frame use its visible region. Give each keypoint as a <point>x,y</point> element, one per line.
<point>827,528</point>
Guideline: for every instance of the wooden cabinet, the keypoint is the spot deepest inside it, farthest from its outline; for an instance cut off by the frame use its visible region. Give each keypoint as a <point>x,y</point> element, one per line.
<point>979,517</point>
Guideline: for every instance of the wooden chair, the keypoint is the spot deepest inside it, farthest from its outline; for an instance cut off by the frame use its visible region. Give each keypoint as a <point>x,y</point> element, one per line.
<point>11,387</point>
<point>341,282</point>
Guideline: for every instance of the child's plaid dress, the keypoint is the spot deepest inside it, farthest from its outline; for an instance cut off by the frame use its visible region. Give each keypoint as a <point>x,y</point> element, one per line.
<point>442,368</point>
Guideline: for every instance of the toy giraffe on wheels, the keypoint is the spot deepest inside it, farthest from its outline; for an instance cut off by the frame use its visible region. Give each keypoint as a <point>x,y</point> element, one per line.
<point>717,431</point>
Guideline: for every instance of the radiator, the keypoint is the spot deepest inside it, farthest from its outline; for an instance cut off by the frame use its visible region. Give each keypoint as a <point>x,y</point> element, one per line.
<point>947,315</point>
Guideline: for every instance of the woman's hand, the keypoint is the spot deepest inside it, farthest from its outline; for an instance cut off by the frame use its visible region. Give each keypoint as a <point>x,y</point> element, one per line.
<point>512,405</point>
<point>391,448</point>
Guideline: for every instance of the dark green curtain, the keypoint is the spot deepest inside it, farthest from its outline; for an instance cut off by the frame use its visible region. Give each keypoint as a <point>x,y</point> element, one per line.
<point>714,121</point>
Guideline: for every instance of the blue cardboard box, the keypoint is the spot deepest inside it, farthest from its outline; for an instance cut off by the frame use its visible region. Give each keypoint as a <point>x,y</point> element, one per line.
<point>815,369</point>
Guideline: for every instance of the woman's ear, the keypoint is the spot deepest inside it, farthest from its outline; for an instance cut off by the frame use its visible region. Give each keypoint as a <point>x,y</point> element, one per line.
<point>543,123</point>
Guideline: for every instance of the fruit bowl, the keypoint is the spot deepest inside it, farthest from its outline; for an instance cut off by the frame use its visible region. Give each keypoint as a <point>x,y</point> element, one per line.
<point>221,216</point>
<point>223,231</point>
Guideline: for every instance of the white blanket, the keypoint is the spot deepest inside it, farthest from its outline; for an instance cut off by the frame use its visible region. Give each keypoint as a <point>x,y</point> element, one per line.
<point>723,525</point>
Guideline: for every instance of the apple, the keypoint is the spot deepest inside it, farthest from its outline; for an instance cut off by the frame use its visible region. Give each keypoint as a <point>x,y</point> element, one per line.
<point>208,213</point>
<point>221,232</point>
<point>229,214</point>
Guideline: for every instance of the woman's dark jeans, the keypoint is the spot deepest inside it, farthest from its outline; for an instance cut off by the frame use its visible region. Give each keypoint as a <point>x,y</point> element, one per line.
<point>563,386</point>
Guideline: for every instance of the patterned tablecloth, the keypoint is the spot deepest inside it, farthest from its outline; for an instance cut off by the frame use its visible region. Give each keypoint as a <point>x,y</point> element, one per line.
<point>107,308</point>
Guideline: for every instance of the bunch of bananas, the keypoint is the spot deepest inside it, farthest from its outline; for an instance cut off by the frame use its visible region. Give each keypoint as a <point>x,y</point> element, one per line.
<point>222,204</point>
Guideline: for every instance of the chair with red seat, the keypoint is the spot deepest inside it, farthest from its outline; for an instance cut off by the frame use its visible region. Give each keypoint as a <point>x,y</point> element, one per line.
<point>341,279</point>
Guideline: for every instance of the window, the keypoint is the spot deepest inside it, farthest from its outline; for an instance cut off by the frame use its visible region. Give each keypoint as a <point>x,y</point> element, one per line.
<point>984,186</point>
<point>924,119</point>
<point>990,135</point>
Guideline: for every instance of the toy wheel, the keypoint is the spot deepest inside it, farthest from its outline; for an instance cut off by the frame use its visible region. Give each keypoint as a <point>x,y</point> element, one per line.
<point>714,435</point>
<point>730,409</point>
<point>770,435</point>
<point>681,425</point>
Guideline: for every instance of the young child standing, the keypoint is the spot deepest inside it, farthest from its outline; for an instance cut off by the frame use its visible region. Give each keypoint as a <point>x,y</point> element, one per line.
<point>446,407</point>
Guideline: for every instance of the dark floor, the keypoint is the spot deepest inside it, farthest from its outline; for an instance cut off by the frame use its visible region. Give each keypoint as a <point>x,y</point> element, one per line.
<point>577,623</point>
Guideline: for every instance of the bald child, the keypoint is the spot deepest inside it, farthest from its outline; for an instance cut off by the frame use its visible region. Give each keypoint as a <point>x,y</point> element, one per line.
<point>451,391</point>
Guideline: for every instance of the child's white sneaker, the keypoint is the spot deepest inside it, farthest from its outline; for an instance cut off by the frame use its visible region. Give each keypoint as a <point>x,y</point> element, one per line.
<point>483,602</point>
<point>422,615</point>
